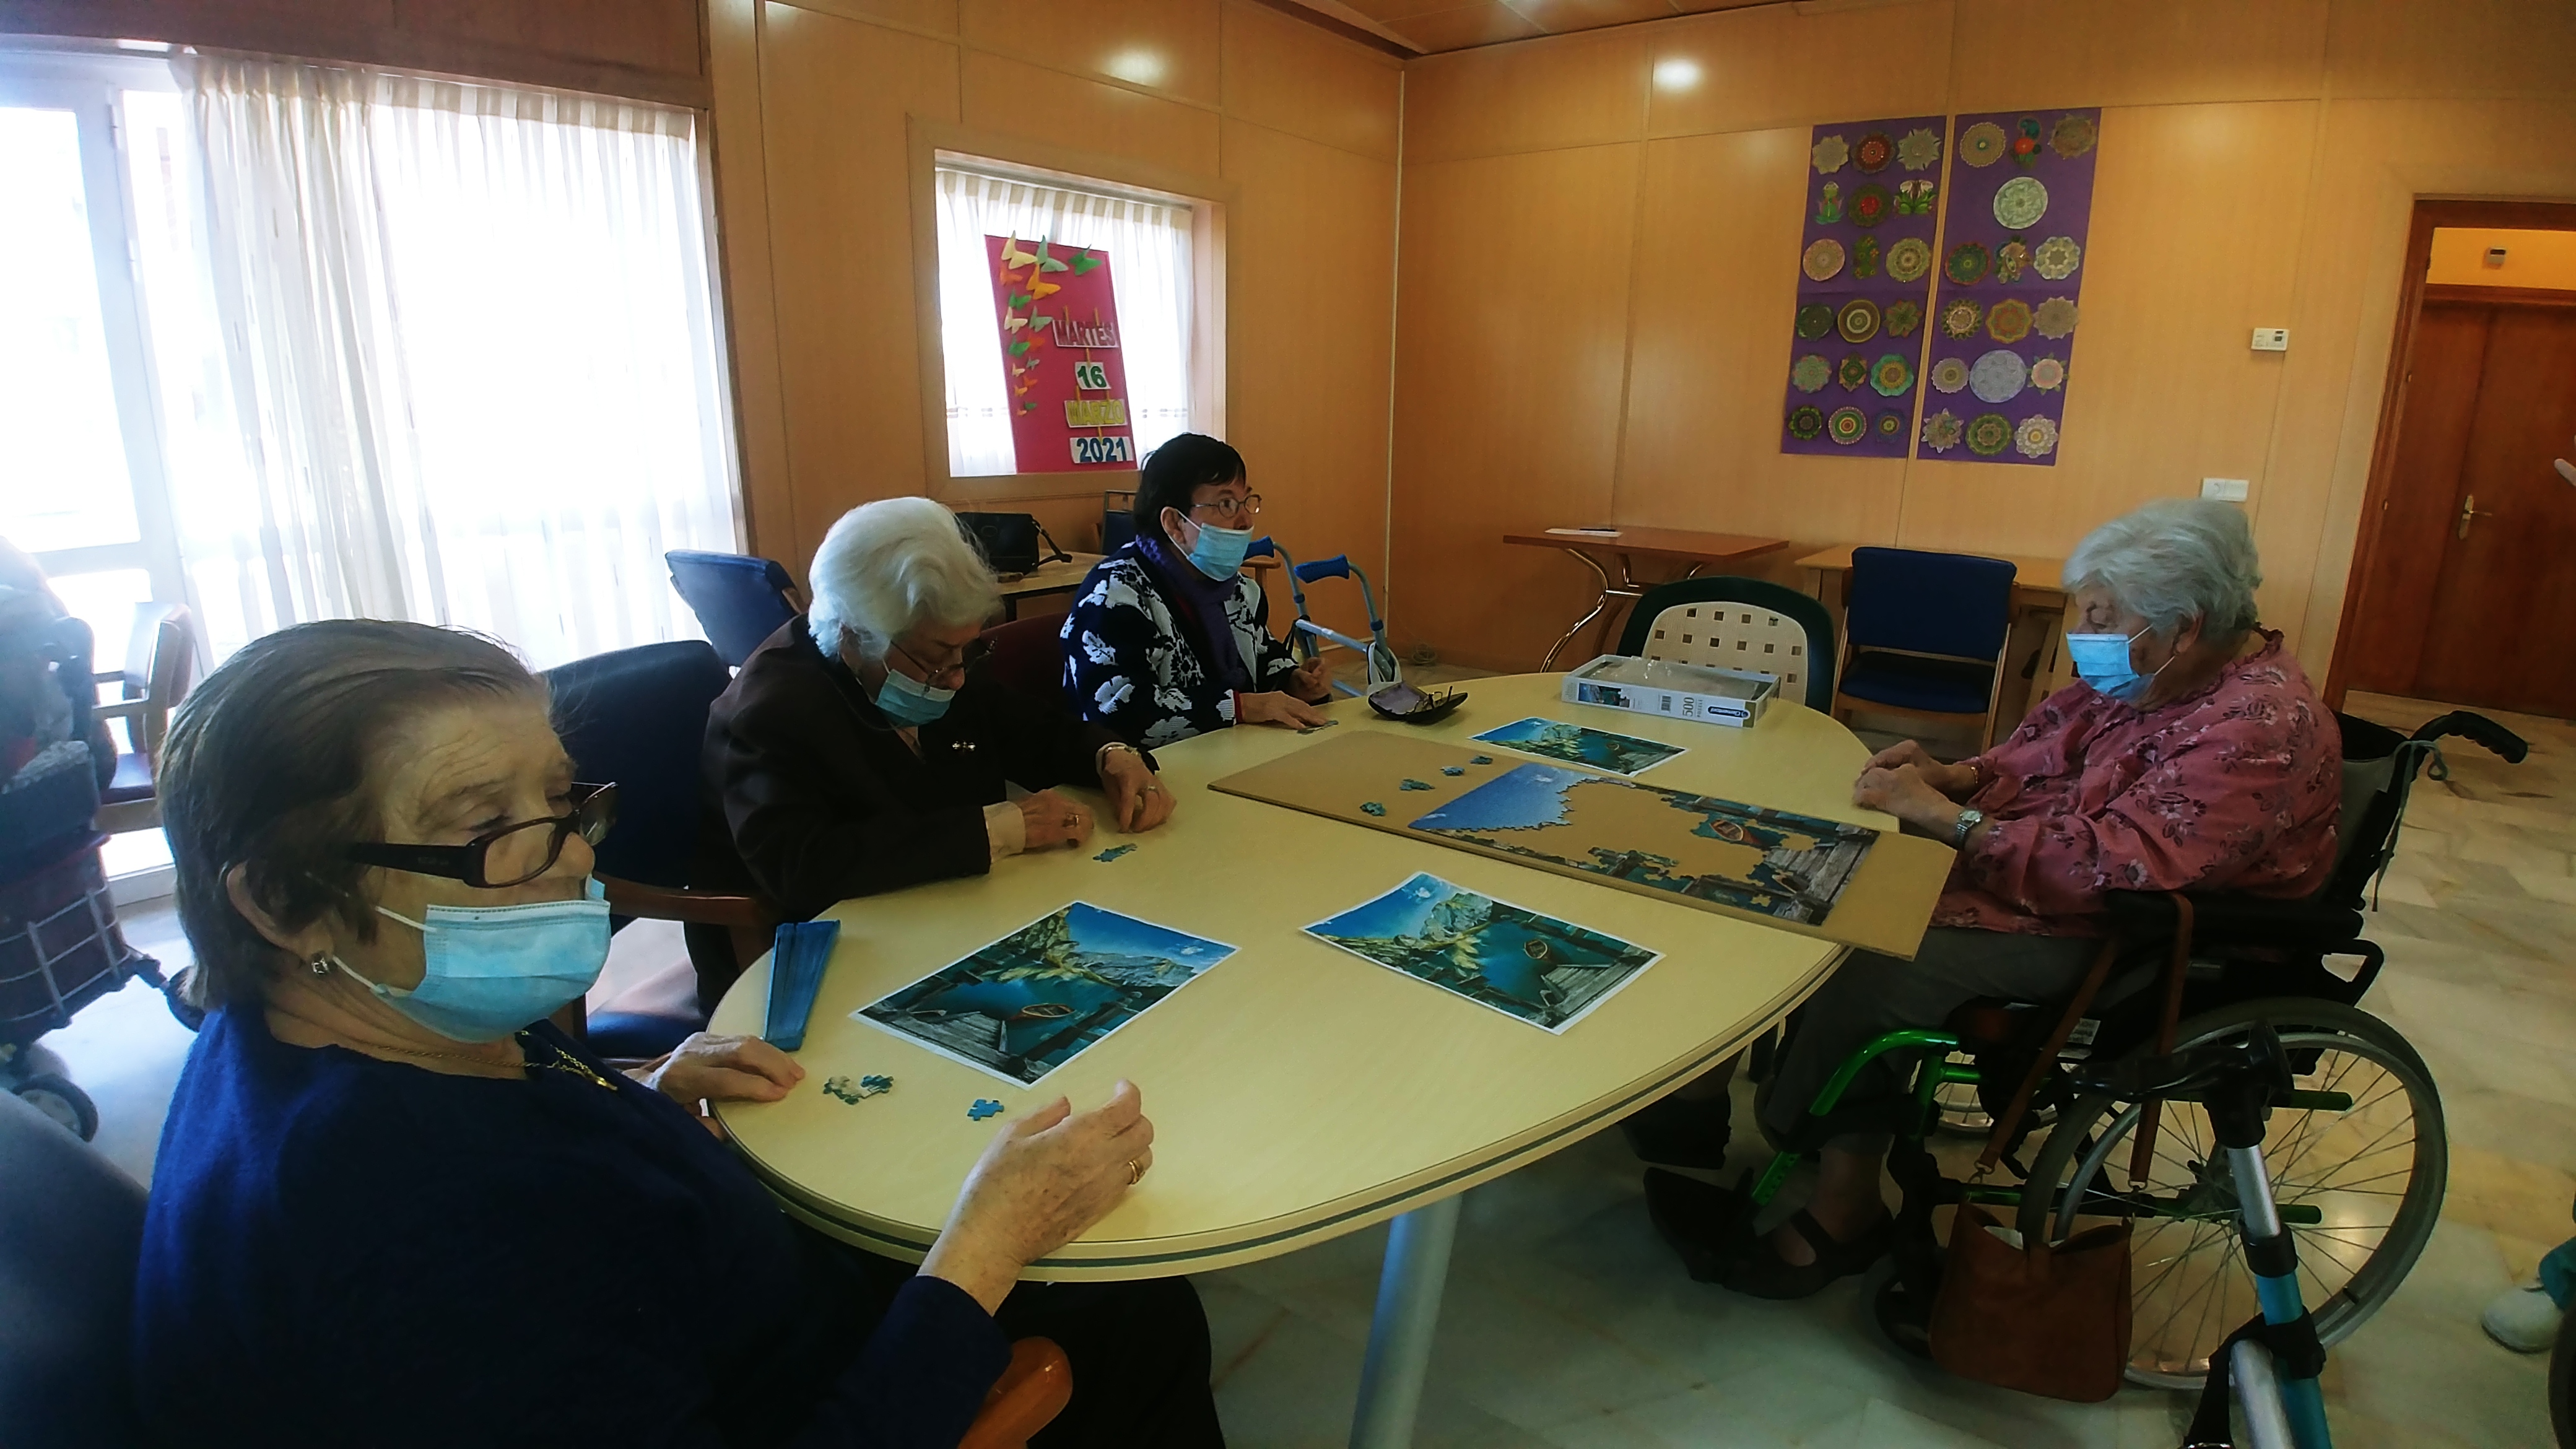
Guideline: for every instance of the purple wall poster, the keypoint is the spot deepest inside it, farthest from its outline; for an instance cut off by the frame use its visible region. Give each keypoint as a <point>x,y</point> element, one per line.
<point>1865,269</point>
<point>2012,275</point>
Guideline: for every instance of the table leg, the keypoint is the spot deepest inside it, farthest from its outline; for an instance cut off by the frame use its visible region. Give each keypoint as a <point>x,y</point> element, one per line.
<point>1600,602</point>
<point>1408,1310</point>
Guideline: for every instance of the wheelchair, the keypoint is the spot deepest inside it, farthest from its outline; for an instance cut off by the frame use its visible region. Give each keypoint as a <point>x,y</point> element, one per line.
<point>2359,1154</point>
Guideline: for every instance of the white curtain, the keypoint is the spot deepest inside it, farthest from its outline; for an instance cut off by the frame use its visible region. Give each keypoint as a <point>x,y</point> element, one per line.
<point>1149,270</point>
<point>468,349</point>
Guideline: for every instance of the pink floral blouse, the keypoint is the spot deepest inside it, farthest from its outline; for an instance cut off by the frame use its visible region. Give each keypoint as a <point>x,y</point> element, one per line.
<point>2233,788</point>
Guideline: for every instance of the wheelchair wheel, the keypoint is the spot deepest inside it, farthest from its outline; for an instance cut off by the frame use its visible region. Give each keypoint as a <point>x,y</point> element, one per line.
<point>2372,1177</point>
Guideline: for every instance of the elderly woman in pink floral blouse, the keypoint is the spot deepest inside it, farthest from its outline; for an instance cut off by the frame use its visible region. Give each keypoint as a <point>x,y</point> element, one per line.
<point>2193,756</point>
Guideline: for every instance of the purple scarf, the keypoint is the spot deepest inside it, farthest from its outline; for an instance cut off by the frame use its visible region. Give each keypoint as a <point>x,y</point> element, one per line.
<point>1205,599</point>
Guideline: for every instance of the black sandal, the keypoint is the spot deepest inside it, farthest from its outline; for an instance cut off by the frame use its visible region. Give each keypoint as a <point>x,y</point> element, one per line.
<point>1762,1273</point>
<point>1707,1225</point>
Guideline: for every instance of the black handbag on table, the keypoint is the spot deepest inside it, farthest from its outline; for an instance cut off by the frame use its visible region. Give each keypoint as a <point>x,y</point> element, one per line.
<point>1010,541</point>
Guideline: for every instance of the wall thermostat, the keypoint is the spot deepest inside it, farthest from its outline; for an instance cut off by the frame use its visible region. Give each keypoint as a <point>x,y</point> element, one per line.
<point>2271,339</point>
<point>2224,490</point>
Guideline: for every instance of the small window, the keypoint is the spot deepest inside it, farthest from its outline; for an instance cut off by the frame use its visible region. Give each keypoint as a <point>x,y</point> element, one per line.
<point>1034,386</point>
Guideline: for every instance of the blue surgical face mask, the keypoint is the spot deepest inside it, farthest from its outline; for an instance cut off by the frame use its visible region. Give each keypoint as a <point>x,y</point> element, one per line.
<point>494,969</point>
<point>1218,552</point>
<point>2102,661</point>
<point>908,701</point>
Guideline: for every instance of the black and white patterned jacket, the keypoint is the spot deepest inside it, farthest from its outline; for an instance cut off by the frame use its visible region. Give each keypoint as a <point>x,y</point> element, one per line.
<point>1130,663</point>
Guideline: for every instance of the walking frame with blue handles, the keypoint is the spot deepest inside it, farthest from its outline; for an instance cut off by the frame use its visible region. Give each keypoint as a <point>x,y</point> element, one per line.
<point>1383,670</point>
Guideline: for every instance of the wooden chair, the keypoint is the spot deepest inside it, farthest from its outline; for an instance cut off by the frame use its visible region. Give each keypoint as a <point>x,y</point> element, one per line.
<point>1736,623</point>
<point>1924,635</point>
<point>1027,658</point>
<point>160,665</point>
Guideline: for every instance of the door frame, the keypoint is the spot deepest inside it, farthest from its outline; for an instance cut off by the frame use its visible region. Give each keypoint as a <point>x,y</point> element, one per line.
<point>2429,214</point>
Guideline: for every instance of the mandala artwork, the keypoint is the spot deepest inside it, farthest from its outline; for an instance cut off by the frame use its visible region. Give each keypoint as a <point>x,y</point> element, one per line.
<point>1806,422</point>
<point>1810,373</point>
<point>2036,437</point>
<point>1982,144</point>
<point>1989,435</point>
<point>2057,258</point>
<point>1858,320</point>
<point>1950,374</point>
<point>2054,318</point>
<point>1891,375</point>
<point>2008,320</point>
<point>1909,260</point>
<point>1865,258</point>
<point>1914,198</point>
<point>1889,425</point>
<point>1815,320</point>
<point>1869,205</point>
<point>1960,317</point>
<point>1830,154</point>
<point>2073,136</point>
<point>1854,373</point>
<point>1823,261</point>
<point>1921,147</point>
<point>2010,259</point>
<point>2020,203</point>
<point>1999,376</point>
<point>1847,426</point>
<point>1903,317</point>
<point>1967,264</point>
<point>2048,374</point>
<point>1874,152</point>
<point>1941,431</point>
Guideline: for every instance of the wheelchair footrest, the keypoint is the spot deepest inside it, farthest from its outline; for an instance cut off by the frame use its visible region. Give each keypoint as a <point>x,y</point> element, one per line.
<point>1709,1226</point>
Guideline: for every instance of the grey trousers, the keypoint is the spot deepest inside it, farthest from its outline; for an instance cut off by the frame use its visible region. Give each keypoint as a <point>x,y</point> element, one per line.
<point>1871,995</point>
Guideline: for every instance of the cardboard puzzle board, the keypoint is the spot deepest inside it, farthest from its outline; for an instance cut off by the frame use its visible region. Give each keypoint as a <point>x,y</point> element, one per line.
<point>1856,886</point>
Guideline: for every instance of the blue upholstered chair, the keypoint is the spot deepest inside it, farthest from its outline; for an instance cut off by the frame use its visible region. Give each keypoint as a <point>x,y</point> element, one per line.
<point>71,1231</point>
<point>1924,635</point>
<point>637,718</point>
<point>739,600</point>
<point>1737,623</point>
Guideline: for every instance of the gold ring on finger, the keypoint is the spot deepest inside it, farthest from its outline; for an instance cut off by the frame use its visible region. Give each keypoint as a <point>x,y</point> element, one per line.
<point>1135,1172</point>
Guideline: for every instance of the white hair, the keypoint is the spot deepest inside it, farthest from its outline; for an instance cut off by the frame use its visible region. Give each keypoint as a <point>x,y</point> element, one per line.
<point>891,566</point>
<point>2173,561</point>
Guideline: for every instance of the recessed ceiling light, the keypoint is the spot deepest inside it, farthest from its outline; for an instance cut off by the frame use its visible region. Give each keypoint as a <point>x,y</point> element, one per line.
<point>1677,74</point>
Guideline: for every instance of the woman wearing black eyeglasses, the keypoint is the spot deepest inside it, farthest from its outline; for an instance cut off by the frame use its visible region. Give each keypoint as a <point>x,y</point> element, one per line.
<point>394,1206</point>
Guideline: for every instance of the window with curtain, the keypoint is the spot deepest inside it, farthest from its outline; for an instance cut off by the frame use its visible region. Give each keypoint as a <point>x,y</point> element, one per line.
<point>1149,246</point>
<point>432,351</point>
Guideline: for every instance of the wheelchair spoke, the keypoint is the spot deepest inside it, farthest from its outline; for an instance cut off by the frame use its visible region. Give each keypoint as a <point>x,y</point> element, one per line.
<point>2358,1185</point>
<point>2370,1149</point>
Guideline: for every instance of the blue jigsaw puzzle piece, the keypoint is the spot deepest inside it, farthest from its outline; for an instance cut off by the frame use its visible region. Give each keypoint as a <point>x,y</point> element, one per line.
<point>1112,853</point>
<point>1371,807</point>
<point>1415,785</point>
<point>1480,760</point>
<point>1453,769</point>
<point>984,1107</point>
<point>870,1086</point>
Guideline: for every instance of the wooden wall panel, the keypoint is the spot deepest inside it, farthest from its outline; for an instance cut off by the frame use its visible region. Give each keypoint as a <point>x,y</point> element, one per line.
<point>931,17</point>
<point>749,288</point>
<point>1015,98</point>
<point>1701,446</point>
<point>1776,67</point>
<point>2196,220</point>
<point>1162,45</point>
<point>2118,53</point>
<point>661,38</point>
<point>2486,48</point>
<point>835,95</point>
<point>1511,315</point>
<point>1287,75</point>
<point>1312,301</point>
<point>1577,90</point>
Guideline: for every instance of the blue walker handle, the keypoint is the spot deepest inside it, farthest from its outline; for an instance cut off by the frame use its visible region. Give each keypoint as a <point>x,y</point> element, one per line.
<point>1336,567</point>
<point>1262,547</point>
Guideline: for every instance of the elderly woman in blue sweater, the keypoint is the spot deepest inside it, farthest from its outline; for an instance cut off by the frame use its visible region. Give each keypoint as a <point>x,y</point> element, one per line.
<point>1167,638</point>
<point>394,1206</point>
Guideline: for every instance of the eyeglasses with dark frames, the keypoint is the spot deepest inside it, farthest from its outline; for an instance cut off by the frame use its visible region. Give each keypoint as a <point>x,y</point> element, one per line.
<point>511,855</point>
<point>967,659</point>
<point>1249,506</point>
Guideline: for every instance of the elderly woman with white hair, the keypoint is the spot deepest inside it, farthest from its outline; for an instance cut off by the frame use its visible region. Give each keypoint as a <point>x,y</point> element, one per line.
<point>2192,756</point>
<point>859,750</point>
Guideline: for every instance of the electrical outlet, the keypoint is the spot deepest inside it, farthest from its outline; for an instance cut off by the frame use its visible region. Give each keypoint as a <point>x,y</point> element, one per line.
<point>2224,490</point>
<point>2271,339</point>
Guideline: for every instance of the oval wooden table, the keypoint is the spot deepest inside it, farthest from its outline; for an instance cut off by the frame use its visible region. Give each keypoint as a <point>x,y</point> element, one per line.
<point>1297,1092</point>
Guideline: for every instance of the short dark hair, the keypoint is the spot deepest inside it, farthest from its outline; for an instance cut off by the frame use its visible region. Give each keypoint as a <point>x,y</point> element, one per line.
<point>1185,463</point>
<point>268,766</point>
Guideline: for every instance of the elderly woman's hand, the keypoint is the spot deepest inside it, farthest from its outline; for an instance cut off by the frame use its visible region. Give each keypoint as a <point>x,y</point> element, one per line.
<point>1314,681</point>
<point>724,1069</point>
<point>1953,781</point>
<point>1045,1178</point>
<point>1048,820</point>
<point>1137,800</point>
<point>1278,708</point>
<point>1905,794</point>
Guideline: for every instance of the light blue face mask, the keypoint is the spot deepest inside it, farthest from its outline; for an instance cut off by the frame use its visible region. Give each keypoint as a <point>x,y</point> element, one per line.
<point>1218,552</point>
<point>908,701</point>
<point>2102,661</point>
<point>494,969</point>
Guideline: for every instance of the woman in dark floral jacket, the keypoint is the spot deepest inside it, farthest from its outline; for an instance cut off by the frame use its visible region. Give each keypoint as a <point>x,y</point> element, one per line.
<point>1167,638</point>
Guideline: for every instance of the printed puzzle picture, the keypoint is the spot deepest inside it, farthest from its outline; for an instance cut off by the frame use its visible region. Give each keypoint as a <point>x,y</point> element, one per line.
<point>1577,745</point>
<point>1046,993</point>
<point>1514,960</point>
<point>1757,859</point>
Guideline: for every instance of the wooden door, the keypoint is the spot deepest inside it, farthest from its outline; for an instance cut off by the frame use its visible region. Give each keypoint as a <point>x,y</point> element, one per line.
<point>2483,615</point>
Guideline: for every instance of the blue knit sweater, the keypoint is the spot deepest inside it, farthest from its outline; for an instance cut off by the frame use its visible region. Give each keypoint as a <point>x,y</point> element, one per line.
<point>341,1250</point>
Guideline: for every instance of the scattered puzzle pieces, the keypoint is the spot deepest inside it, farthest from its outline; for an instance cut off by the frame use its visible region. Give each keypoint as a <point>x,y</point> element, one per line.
<point>1371,807</point>
<point>1415,785</point>
<point>1112,853</point>
<point>1453,769</point>
<point>1480,759</point>
<point>984,1107</point>
<point>847,1091</point>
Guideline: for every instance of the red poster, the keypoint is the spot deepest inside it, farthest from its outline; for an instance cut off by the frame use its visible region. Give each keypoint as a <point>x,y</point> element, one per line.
<point>1068,384</point>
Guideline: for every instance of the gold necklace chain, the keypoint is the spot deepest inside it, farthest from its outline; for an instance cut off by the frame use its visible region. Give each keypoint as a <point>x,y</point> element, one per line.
<point>564,1061</point>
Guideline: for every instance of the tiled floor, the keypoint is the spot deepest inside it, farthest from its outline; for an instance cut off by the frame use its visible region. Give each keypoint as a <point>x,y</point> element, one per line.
<point>1566,1323</point>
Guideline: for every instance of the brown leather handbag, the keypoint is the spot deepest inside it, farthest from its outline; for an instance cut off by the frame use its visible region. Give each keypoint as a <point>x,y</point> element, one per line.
<point>2049,1320</point>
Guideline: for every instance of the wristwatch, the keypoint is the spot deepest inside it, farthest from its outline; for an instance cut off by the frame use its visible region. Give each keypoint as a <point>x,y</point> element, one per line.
<point>1968,821</point>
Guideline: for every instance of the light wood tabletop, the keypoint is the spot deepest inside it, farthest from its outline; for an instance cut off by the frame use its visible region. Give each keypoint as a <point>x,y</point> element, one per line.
<point>1695,551</point>
<point>1297,1092</point>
